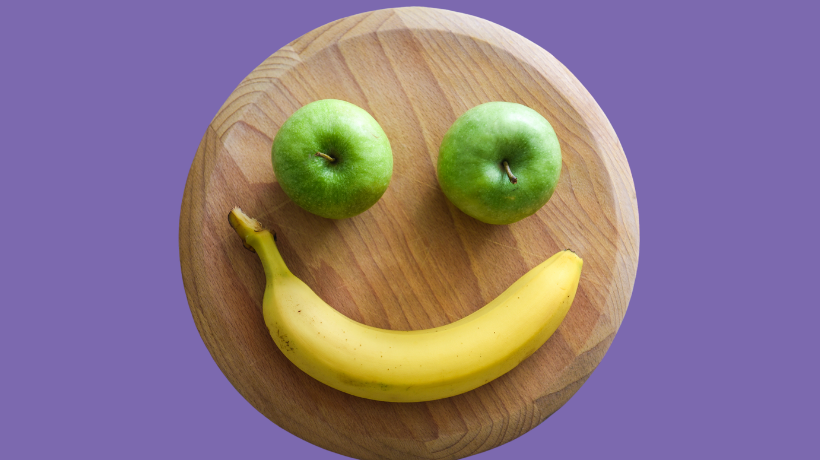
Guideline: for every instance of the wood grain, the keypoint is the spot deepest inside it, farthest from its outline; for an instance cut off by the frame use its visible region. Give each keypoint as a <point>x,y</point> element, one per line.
<point>413,260</point>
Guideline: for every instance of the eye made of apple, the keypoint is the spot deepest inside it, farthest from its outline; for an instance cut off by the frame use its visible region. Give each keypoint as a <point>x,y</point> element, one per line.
<point>499,162</point>
<point>332,159</point>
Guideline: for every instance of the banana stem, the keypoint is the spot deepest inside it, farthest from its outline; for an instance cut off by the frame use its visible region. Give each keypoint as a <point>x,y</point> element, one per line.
<point>244,225</point>
<point>258,239</point>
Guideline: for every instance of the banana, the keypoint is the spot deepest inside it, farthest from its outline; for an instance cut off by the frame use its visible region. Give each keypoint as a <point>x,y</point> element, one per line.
<point>409,366</point>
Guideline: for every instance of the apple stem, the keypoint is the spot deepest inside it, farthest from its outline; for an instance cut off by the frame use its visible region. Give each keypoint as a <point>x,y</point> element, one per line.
<point>325,156</point>
<point>512,177</point>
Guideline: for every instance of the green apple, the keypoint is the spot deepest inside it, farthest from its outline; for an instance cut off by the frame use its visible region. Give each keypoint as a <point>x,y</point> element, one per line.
<point>332,158</point>
<point>499,162</point>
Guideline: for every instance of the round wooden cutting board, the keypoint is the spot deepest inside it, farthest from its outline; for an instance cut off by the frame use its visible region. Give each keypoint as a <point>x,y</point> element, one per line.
<point>413,260</point>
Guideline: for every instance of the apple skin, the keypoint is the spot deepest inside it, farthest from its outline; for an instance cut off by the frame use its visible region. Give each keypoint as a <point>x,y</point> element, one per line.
<point>362,166</point>
<point>470,163</point>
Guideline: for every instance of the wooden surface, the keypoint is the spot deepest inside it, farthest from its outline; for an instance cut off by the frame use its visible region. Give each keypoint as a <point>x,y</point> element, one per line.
<point>413,260</point>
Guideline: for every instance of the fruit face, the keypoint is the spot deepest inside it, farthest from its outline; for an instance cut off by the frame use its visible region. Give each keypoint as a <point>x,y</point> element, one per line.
<point>477,151</point>
<point>332,159</point>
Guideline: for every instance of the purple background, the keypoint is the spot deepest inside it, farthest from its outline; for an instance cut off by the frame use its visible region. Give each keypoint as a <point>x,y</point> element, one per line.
<point>102,110</point>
